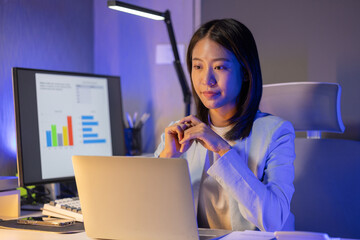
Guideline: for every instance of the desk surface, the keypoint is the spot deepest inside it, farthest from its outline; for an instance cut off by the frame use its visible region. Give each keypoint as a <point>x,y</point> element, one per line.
<point>37,235</point>
<point>32,235</point>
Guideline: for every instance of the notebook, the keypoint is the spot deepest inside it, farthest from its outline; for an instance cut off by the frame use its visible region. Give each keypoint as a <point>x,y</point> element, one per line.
<point>137,198</point>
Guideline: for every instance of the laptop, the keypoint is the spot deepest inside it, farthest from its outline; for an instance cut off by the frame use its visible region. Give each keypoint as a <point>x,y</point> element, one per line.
<point>137,198</point>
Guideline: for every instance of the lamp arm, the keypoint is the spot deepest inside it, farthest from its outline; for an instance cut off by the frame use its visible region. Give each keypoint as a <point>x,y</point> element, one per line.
<point>177,64</point>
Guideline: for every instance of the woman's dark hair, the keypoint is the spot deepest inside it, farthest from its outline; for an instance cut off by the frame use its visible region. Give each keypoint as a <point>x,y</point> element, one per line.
<point>237,38</point>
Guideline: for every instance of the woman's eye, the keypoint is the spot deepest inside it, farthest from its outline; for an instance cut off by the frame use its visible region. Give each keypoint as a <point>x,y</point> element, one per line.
<point>196,67</point>
<point>220,68</point>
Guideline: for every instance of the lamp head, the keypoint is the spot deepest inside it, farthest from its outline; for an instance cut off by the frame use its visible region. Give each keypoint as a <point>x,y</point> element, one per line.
<point>136,10</point>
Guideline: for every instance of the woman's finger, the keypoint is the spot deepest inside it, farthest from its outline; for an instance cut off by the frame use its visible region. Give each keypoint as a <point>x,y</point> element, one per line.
<point>181,128</point>
<point>193,133</point>
<point>184,147</point>
<point>191,119</point>
<point>176,128</point>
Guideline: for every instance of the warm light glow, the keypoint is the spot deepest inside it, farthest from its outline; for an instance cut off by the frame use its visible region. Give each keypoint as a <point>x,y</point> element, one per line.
<point>138,13</point>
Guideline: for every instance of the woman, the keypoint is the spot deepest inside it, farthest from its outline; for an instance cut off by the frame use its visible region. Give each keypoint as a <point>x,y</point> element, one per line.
<point>240,160</point>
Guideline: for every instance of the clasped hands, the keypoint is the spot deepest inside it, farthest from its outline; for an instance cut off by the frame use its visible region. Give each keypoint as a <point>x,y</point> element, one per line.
<point>180,136</point>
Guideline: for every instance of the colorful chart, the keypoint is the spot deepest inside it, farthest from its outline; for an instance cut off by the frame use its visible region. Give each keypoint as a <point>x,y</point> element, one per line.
<point>90,136</point>
<point>73,119</point>
<point>64,138</point>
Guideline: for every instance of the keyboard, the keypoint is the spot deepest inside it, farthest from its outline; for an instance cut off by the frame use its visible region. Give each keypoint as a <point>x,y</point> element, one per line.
<point>67,208</point>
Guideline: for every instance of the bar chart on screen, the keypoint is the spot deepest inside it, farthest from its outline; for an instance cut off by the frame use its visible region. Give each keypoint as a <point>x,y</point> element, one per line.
<point>72,120</point>
<point>58,137</point>
<point>89,132</point>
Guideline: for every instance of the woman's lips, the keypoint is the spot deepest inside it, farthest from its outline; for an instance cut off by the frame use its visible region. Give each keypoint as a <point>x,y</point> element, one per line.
<point>210,94</point>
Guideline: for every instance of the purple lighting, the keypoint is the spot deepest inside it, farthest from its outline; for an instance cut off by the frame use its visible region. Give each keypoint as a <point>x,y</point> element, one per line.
<point>54,35</point>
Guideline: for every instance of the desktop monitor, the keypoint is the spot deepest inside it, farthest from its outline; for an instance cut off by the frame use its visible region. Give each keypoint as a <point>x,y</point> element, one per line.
<point>60,114</point>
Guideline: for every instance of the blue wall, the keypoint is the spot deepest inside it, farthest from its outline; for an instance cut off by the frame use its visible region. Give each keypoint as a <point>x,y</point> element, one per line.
<point>122,47</point>
<point>125,45</point>
<point>54,35</point>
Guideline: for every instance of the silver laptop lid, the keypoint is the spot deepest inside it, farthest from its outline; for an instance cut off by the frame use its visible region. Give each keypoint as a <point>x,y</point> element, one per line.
<point>135,197</point>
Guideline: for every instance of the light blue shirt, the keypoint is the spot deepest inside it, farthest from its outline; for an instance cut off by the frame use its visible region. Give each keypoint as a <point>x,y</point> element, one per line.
<point>257,173</point>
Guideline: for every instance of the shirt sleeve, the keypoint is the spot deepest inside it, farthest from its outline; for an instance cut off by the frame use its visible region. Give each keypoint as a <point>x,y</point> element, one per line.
<point>265,202</point>
<point>161,146</point>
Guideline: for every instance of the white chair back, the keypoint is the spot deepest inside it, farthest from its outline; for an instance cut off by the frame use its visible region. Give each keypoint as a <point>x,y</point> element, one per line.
<point>313,107</point>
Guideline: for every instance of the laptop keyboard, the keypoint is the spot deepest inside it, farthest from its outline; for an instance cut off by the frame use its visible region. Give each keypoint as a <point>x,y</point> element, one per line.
<point>68,208</point>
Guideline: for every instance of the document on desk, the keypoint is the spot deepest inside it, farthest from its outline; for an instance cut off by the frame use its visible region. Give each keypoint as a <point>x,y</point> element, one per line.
<point>249,235</point>
<point>293,235</point>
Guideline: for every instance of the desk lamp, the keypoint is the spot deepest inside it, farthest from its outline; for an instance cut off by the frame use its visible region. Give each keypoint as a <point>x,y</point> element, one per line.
<point>155,15</point>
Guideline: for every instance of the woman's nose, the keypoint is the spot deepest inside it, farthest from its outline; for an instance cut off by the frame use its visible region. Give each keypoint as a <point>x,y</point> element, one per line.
<point>209,78</point>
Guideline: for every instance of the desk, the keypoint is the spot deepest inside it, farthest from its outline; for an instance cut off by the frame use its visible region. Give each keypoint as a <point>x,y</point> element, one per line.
<point>36,235</point>
<point>30,235</point>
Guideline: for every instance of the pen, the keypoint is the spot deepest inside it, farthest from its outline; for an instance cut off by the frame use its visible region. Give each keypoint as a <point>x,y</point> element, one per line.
<point>126,125</point>
<point>143,119</point>
<point>129,120</point>
<point>134,119</point>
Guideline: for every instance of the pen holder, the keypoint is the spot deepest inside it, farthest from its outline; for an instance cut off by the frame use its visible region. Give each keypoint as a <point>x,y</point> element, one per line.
<point>133,141</point>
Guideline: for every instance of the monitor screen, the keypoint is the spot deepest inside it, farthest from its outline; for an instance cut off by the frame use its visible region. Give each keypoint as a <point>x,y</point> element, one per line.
<point>61,114</point>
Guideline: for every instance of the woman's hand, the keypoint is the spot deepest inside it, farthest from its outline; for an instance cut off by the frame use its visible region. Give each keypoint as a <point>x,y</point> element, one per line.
<point>173,135</point>
<point>204,134</point>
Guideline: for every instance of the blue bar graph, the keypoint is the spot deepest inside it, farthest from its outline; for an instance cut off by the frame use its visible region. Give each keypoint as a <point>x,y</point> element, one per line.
<point>87,117</point>
<point>95,141</point>
<point>90,123</point>
<point>48,138</point>
<point>90,135</point>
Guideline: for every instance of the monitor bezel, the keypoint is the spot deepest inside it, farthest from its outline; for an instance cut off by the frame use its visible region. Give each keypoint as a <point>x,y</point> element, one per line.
<point>23,132</point>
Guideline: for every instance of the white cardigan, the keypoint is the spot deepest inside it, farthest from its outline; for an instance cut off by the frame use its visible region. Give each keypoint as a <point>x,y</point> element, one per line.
<point>257,173</point>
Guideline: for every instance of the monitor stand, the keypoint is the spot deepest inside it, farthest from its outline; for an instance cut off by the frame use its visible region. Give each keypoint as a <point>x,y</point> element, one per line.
<point>53,189</point>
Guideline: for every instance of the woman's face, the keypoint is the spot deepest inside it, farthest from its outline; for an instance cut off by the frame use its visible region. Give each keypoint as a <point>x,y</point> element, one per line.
<point>216,75</point>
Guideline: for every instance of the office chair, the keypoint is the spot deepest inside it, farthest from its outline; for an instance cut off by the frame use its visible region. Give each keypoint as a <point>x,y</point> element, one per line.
<point>313,107</point>
<point>327,194</point>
